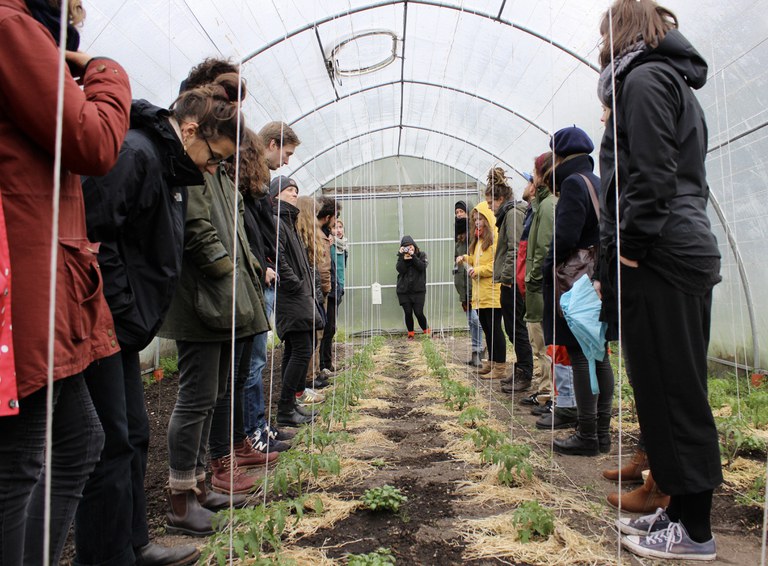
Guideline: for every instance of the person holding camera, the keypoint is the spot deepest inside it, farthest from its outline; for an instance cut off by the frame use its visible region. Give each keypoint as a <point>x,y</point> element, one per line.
<point>412,284</point>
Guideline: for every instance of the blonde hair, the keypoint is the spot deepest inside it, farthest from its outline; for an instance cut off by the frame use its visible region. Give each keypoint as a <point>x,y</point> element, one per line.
<point>309,231</point>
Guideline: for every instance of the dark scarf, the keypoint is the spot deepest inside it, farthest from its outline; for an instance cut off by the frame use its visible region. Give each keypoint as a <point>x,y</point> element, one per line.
<point>620,67</point>
<point>50,17</point>
<point>461,227</point>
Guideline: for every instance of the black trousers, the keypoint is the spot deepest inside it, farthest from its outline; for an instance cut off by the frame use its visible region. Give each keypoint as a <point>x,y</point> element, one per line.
<point>111,518</point>
<point>329,331</point>
<point>297,353</point>
<point>592,408</point>
<point>666,336</point>
<point>414,304</point>
<point>490,320</point>
<point>513,313</point>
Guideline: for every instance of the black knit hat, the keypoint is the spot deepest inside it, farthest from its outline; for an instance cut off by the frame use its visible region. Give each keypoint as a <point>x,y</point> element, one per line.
<point>279,184</point>
<point>460,204</point>
<point>570,141</point>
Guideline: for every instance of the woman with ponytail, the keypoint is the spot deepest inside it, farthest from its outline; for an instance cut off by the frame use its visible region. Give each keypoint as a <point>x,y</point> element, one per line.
<point>137,213</point>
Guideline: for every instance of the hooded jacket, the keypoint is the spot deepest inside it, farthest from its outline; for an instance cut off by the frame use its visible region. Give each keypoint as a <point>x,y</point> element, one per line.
<point>486,294</point>
<point>95,120</point>
<point>201,310</point>
<point>136,212</point>
<point>509,221</point>
<point>663,189</point>
<point>260,228</point>
<point>539,242</point>
<point>296,300</point>
<point>411,273</point>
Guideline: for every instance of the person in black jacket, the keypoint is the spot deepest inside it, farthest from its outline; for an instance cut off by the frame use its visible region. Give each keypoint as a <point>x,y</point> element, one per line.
<point>297,312</point>
<point>669,262</point>
<point>576,227</point>
<point>412,284</point>
<point>137,214</point>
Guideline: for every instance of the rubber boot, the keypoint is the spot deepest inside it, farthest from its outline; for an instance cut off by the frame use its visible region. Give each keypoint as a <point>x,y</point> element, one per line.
<point>226,477</point>
<point>186,516</point>
<point>154,554</point>
<point>475,360</point>
<point>633,471</point>
<point>645,499</point>
<point>581,443</point>
<point>217,501</point>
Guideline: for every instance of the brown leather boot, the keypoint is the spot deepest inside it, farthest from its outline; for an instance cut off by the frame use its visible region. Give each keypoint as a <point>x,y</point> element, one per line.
<point>247,457</point>
<point>633,471</point>
<point>220,476</point>
<point>186,516</point>
<point>645,499</point>
<point>487,367</point>
<point>217,501</point>
<point>498,371</point>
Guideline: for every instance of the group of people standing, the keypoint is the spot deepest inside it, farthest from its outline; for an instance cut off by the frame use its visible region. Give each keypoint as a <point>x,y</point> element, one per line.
<point>146,246</point>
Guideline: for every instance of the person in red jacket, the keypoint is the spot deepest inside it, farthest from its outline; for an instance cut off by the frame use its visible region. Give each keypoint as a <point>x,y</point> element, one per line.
<point>94,122</point>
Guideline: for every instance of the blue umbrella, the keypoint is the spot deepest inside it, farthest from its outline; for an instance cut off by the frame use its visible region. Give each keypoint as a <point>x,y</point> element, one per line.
<point>581,308</point>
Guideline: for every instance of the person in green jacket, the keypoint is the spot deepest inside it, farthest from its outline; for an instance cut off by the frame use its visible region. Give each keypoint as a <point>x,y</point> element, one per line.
<point>539,240</point>
<point>510,215</point>
<point>200,320</point>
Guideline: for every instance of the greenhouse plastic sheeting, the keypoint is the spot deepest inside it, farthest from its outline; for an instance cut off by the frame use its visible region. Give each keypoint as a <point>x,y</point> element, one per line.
<point>474,84</point>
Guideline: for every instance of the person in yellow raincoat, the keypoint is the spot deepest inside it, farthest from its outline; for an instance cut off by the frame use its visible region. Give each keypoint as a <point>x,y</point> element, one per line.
<point>486,295</point>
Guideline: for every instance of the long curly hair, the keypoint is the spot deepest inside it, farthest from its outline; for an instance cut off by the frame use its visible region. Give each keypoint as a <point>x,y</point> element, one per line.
<point>309,231</point>
<point>254,171</point>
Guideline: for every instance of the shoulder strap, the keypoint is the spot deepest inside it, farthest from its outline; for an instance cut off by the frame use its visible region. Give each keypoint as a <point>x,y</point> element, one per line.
<point>592,194</point>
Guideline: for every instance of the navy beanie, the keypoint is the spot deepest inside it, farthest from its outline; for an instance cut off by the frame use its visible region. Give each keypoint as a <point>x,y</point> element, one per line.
<point>570,141</point>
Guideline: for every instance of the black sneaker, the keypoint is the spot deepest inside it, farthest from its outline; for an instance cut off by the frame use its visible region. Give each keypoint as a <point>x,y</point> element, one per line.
<point>279,434</point>
<point>531,400</point>
<point>261,442</point>
<point>544,409</point>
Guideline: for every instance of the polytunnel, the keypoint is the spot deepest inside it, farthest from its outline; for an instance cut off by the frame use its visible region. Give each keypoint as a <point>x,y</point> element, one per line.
<point>452,89</point>
<point>198,397</point>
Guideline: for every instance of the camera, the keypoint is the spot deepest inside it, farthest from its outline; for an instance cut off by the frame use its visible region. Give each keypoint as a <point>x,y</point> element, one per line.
<point>455,269</point>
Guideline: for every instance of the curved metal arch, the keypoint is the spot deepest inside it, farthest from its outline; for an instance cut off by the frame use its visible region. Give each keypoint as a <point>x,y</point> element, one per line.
<point>434,4</point>
<point>403,126</point>
<point>421,83</point>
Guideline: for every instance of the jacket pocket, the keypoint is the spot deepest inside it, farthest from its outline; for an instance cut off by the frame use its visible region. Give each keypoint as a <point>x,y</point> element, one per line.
<point>213,303</point>
<point>85,286</point>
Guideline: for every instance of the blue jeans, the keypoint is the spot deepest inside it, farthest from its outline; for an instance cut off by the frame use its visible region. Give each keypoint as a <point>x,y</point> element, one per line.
<point>475,330</point>
<point>77,442</point>
<point>253,405</point>
<point>564,384</point>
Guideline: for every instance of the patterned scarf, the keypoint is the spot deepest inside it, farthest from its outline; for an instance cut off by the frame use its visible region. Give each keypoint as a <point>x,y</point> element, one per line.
<point>620,67</point>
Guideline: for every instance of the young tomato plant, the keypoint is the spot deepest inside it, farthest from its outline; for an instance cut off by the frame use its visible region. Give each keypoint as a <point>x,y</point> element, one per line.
<point>533,521</point>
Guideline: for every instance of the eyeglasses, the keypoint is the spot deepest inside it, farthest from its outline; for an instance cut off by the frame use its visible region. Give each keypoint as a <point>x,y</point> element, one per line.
<point>213,160</point>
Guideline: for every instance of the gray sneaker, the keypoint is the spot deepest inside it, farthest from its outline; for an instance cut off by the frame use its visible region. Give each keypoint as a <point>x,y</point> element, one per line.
<point>672,542</point>
<point>644,525</point>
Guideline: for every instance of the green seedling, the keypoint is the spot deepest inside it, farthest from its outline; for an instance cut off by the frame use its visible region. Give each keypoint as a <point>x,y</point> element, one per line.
<point>533,521</point>
<point>471,417</point>
<point>385,498</point>
<point>513,462</point>
<point>294,468</point>
<point>380,557</point>
<point>484,437</point>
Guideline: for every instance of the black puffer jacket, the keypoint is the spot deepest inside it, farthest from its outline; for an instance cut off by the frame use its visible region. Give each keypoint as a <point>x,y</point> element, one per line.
<point>663,189</point>
<point>411,273</point>
<point>137,214</point>
<point>260,227</point>
<point>296,309</point>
